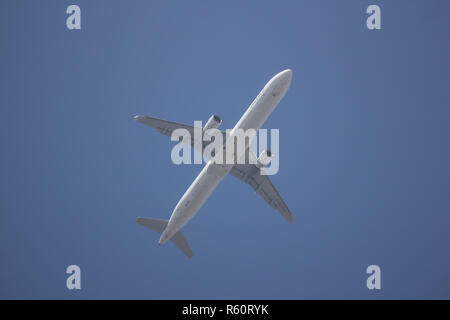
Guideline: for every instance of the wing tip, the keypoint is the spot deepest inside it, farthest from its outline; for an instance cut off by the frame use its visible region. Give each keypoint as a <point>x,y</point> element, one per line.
<point>290,219</point>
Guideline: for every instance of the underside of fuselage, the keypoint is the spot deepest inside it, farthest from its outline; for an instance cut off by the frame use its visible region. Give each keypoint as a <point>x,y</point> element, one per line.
<point>210,176</point>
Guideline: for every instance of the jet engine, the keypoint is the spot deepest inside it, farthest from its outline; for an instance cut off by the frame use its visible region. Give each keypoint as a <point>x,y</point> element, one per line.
<point>264,159</point>
<point>213,123</point>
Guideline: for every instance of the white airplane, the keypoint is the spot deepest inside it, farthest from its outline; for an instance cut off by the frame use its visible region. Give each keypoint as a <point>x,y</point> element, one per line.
<point>213,173</point>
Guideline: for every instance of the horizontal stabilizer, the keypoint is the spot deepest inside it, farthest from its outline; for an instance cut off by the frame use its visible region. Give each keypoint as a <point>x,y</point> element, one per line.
<point>158,225</point>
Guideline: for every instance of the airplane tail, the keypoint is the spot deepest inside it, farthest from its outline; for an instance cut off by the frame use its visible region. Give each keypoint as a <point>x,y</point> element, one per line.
<point>159,225</point>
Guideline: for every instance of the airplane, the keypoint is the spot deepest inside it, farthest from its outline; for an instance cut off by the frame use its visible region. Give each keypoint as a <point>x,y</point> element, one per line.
<point>212,173</point>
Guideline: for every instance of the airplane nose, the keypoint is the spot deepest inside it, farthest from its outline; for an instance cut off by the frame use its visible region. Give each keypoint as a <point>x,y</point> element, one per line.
<point>286,75</point>
<point>281,82</point>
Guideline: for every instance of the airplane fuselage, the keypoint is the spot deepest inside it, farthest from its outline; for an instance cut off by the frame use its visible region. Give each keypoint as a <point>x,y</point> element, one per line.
<point>210,176</point>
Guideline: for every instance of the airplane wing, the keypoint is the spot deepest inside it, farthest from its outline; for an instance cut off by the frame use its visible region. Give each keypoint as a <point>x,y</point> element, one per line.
<point>250,174</point>
<point>167,127</point>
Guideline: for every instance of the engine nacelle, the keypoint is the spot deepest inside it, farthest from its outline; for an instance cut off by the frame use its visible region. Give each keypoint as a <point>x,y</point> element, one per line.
<point>264,159</point>
<point>213,123</point>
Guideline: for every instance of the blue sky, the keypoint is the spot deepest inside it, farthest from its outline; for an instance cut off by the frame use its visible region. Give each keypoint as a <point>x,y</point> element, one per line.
<point>364,152</point>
